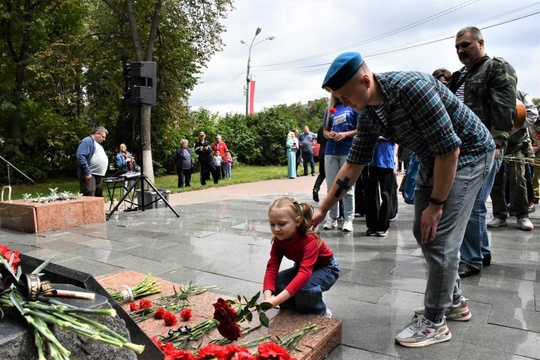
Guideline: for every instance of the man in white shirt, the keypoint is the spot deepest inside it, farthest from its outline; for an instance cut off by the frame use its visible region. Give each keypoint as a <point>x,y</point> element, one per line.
<point>92,163</point>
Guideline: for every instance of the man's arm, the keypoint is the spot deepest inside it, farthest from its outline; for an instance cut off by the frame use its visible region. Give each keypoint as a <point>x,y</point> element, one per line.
<point>444,174</point>
<point>345,179</point>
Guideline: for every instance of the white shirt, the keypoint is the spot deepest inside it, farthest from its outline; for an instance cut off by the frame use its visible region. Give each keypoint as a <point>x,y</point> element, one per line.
<point>99,161</point>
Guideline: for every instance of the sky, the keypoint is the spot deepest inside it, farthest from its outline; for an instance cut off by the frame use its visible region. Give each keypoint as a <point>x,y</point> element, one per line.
<point>390,34</point>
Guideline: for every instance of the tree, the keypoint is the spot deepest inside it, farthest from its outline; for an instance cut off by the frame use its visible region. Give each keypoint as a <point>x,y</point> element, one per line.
<point>183,43</point>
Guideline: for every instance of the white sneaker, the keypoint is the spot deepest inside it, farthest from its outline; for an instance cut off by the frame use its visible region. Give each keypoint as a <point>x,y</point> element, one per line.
<point>330,224</point>
<point>347,226</point>
<point>496,222</point>
<point>525,224</point>
<point>328,313</point>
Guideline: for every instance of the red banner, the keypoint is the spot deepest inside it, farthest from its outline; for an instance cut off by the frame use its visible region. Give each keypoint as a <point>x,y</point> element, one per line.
<point>251,96</point>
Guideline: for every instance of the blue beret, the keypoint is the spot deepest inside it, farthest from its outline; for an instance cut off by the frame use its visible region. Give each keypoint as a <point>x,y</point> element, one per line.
<point>341,70</point>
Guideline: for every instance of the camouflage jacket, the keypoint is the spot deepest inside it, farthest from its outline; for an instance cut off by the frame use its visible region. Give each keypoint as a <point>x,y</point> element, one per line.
<point>490,91</point>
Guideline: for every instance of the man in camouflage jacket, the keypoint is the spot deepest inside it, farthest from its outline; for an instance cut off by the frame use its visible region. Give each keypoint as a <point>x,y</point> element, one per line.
<point>488,87</point>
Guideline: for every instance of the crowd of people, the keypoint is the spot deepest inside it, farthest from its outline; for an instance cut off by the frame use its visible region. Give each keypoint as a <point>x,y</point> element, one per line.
<point>475,134</point>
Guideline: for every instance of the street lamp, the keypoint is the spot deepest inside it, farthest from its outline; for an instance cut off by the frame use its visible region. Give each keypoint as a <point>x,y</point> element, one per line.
<point>248,75</point>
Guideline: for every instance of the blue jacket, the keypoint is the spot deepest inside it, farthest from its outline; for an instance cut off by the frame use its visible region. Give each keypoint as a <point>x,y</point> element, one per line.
<point>85,151</point>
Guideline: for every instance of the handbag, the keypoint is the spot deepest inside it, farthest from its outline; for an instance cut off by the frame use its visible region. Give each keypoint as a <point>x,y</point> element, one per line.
<point>410,179</point>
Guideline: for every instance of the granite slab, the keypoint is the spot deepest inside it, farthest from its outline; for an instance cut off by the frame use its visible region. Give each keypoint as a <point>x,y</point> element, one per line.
<point>314,346</point>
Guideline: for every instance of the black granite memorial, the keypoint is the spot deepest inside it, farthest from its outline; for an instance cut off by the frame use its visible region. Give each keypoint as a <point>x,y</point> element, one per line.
<point>16,338</point>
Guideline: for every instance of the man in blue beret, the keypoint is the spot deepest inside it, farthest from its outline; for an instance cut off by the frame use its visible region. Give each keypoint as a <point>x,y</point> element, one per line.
<point>456,151</point>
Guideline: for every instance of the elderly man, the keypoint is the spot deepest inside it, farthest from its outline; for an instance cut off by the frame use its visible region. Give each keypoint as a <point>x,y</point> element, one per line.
<point>488,87</point>
<point>456,151</point>
<point>92,163</point>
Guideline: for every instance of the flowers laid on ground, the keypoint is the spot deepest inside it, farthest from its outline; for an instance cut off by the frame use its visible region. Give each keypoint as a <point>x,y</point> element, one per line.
<point>227,319</point>
<point>125,294</point>
<point>16,292</point>
<point>53,196</point>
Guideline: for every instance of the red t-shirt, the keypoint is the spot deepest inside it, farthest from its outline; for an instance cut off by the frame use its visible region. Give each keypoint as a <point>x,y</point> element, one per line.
<point>305,253</point>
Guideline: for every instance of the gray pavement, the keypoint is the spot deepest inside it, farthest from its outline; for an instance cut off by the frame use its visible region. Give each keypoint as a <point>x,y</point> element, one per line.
<point>222,238</point>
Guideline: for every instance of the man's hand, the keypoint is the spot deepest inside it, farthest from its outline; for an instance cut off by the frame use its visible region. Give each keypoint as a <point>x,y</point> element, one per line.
<point>429,222</point>
<point>318,217</point>
<point>88,176</point>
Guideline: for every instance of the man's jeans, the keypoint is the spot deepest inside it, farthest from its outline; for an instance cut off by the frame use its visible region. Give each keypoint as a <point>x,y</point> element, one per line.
<point>307,157</point>
<point>309,299</point>
<point>476,240</point>
<point>332,164</point>
<point>442,254</point>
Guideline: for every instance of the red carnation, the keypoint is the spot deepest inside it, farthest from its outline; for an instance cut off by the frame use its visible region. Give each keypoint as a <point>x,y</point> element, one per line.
<point>272,350</point>
<point>211,351</point>
<point>145,304</point>
<point>185,314</point>
<point>333,110</point>
<point>134,307</point>
<point>158,315</point>
<point>179,354</point>
<point>6,253</point>
<point>170,319</point>
<point>235,352</point>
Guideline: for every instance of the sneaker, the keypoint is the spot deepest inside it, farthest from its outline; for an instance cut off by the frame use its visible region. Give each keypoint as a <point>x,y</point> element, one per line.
<point>423,332</point>
<point>347,226</point>
<point>457,312</point>
<point>315,195</point>
<point>328,313</point>
<point>330,224</point>
<point>496,222</point>
<point>370,232</point>
<point>381,233</point>
<point>525,224</point>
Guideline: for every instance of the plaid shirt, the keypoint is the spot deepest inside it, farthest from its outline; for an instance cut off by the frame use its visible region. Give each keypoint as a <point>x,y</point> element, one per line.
<point>423,115</point>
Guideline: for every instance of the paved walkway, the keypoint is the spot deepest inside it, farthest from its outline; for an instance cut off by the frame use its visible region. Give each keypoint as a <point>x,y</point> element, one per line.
<point>222,238</point>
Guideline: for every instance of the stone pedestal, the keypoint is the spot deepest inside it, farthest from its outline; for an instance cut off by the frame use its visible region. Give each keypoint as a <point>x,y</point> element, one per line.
<point>314,346</point>
<point>30,217</point>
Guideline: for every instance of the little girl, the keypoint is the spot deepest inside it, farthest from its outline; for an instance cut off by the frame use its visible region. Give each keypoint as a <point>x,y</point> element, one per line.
<point>315,270</point>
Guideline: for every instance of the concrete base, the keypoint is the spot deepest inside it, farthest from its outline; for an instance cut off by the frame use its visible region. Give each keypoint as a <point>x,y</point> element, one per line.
<point>314,346</point>
<point>29,217</point>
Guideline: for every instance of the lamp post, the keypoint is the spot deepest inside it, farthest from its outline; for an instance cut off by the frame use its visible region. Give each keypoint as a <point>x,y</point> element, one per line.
<point>248,75</point>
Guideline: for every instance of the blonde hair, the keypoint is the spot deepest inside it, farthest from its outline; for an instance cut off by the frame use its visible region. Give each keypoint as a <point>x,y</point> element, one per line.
<point>297,208</point>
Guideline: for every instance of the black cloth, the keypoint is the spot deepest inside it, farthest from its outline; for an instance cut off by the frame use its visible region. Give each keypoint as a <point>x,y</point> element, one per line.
<point>321,140</point>
<point>380,204</point>
<point>204,150</point>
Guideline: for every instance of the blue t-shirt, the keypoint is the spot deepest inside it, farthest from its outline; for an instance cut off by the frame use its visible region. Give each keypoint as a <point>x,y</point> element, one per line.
<point>383,156</point>
<point>342,120</point>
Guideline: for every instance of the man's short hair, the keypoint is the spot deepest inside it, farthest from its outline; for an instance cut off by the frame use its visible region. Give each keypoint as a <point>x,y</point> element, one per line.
<point>101,129</point>
<point>473,30</point>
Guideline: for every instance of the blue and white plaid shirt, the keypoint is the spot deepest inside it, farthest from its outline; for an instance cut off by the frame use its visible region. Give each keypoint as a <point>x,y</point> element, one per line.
<point>421,114</point>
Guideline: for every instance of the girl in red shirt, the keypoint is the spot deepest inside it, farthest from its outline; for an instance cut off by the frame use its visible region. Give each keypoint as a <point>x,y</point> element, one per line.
<point>315,270</point>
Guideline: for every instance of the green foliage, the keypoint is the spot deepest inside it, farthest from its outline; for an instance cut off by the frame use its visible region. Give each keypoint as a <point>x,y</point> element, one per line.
<point>61,72</point>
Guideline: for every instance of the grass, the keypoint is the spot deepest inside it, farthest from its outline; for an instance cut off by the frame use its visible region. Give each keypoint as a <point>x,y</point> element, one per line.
<point>240,175</point>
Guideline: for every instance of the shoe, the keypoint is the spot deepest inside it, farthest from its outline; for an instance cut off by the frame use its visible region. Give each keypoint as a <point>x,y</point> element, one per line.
<point>315,195</point>
<point>370,232</point>
<point>497,222</point>
<point>312,174</point>
<point>393,218</point>
<point>358,215</point>
<point>457,312</point>
<point>423,332</point>
<point>486,261</point>
<point>347,226</point>
<point>381,233</point>
<point>525,224</point>
<point>532,208</point>
<point>466,270</point>
<point>330,224</point>
<point>328,313</point>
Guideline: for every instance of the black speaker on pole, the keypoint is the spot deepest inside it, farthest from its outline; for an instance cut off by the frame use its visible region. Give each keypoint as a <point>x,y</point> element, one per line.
<point>140,83</point>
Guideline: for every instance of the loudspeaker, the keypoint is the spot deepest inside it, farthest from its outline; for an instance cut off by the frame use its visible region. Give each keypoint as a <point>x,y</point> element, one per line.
<point>140,83</point>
